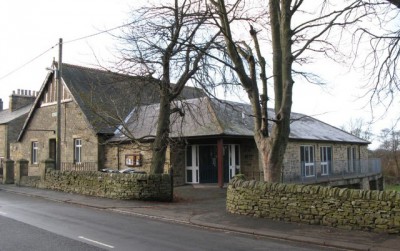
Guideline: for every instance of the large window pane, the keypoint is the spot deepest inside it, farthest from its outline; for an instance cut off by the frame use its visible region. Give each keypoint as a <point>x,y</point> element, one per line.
<point>34,150</point>
<point>77,150</point>
<point>189,156</point>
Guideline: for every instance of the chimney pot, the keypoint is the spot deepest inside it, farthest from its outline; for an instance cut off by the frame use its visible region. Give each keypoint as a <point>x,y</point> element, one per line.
<point>24,98</point>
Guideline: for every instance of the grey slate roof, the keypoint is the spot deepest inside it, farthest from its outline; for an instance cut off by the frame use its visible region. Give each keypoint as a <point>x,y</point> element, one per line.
<point>102,93</point>
<point>209,117</point>
<point>7,116</point>
<point>106,98</point>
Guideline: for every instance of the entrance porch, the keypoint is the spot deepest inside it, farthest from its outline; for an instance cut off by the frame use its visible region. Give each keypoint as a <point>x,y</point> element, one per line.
<point>211,163</point>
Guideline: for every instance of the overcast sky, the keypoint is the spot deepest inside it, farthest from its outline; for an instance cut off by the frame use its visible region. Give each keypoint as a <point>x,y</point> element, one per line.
<point>31,28</point>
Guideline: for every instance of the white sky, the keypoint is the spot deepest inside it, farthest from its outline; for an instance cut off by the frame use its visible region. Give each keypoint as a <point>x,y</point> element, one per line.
<point>29,28</point>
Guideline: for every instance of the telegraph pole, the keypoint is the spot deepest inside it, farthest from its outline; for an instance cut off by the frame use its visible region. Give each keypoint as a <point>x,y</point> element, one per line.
<point>59,93</point>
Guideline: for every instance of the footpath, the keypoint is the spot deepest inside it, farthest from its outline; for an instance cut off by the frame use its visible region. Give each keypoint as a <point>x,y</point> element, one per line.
<point>204,206</point>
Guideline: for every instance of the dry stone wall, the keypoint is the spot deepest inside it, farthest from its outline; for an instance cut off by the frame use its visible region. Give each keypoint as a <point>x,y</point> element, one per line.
<point>155,187</point>
<point>377,211</point>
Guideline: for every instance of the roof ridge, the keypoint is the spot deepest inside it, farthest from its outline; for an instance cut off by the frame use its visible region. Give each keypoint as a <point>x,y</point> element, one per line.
<point>96,69</point>
<point>106,71</point>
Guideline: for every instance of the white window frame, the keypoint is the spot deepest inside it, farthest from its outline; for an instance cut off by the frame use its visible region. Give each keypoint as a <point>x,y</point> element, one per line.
<point>194,167</point>
<point>325,162</point>
<point>234,160</point>
<point>309,167</point>
<point>77,151</point>
<point>35,152</point>
<point>351,159</point>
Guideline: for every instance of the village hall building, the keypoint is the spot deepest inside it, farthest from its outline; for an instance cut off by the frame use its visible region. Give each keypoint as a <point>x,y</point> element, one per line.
<point>108,120</point>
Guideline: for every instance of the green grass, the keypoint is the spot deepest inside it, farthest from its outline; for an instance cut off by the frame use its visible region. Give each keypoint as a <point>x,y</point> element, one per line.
<point>392,187</point>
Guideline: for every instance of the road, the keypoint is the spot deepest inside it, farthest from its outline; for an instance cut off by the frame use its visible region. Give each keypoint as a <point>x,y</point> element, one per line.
<point>40,224</point>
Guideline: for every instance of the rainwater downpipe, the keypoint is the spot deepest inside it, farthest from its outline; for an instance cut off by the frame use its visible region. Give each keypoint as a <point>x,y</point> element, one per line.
<point>118,162</point>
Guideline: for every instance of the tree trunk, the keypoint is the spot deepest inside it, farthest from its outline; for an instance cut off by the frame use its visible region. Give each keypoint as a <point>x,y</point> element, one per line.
<point>160,143</point>
<point>273,149</point>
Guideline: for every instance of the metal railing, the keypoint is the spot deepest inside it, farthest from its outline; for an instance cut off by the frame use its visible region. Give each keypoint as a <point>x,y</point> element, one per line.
<point>295,172</point>
<point>317,172</point>
<point>80,167</point>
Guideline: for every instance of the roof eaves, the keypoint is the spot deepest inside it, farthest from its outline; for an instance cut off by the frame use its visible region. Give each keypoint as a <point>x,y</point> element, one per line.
<point>35,104</point>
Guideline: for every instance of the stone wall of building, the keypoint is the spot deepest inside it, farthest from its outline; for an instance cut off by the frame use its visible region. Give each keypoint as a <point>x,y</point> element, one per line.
<point>3,141</point>
<point>42,129</point>
<point>377,211</point>
<point>250,162</point>
<point>115,156</point>
<point>292,158</point>
<point>107,185</point>
<point>178,163</point>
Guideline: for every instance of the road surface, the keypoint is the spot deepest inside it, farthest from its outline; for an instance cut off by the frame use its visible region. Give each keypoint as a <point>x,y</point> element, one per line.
<point>31,223</point>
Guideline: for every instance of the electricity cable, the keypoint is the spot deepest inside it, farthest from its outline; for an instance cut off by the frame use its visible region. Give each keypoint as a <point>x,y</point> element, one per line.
<point>30,61</point>
<point>66,42</point>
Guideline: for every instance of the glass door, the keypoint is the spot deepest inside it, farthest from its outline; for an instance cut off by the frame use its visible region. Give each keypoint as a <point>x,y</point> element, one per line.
<point>192,164</point>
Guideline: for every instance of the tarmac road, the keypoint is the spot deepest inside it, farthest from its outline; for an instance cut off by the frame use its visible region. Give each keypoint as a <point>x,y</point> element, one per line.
<point>48,223</point>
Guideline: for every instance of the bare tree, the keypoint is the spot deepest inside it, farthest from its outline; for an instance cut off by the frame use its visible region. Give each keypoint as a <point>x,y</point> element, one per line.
<point>382,36</point>
<point>167,42</point>
<point>359,128</point>
<point>390,144</point>
<point>290,44</point>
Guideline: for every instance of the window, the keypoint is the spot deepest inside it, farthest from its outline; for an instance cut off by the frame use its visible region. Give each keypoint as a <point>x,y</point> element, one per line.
<point>133,159</point>
<point>34,151</point>
<point>351,159</point>
<point>189,155</point>
<point>326,159</point>
<point>237,155</point>
<point>77,151</point>
<point>307,160</point>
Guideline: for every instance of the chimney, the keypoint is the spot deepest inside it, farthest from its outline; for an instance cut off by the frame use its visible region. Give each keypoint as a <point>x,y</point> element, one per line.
<point>1,104</point>
<point>21,99</point>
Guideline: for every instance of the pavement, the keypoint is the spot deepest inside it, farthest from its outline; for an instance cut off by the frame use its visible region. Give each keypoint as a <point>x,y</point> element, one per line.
<point>204,206</point>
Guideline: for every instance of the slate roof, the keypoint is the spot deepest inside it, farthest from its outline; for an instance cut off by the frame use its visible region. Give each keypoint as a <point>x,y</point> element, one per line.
<point>103,93</point>
<point>210,117</point>
<point>105,97</point>
<point>7,115</point>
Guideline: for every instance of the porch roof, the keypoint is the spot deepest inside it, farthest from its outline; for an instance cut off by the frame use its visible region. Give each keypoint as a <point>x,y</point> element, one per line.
<point>210,117</point>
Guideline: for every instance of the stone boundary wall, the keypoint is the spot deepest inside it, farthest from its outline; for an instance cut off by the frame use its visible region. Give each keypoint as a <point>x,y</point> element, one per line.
<point>108,185</point>
<point>377,211</point>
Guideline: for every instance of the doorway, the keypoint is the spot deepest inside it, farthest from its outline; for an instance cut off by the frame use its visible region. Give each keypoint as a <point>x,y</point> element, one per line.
<point>202,163</point>
<point>52,149</point>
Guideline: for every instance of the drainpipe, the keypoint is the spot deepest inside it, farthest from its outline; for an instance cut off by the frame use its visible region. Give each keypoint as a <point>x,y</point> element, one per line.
<point>220,157</point>
<point>118,162</point>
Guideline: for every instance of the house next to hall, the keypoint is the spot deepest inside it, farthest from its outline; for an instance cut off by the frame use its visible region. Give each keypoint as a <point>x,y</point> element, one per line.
<point>93,104</point>
<point>102,112</point>
<point>12,120</point>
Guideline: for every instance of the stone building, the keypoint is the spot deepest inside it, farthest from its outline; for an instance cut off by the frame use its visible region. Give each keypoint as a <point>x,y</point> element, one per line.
<point>109,120</point>
<point>93,105</point>
<point>12,120</point>
<point>211,131</point>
